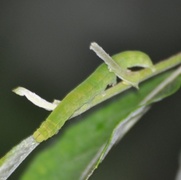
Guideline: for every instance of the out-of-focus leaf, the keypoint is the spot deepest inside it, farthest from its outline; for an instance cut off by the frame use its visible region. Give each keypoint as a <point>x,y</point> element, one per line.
<point>83,146</point>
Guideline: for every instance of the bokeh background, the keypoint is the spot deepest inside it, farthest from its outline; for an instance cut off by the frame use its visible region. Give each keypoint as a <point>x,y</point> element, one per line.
<point>44,46</point>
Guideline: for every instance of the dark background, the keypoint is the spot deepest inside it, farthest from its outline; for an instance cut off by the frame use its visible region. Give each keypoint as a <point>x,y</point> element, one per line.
<point>44,46</point>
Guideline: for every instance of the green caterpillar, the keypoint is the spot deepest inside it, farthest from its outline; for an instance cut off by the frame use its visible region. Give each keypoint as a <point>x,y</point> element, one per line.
<point>94,85</point>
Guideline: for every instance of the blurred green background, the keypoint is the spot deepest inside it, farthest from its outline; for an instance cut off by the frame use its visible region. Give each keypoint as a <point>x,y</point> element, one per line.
<point>44,46</point>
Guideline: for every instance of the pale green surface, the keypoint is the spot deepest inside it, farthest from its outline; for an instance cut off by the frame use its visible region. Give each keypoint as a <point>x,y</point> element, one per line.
<point>13,158</point>
<point>94,85</point>
<point>70,155</point>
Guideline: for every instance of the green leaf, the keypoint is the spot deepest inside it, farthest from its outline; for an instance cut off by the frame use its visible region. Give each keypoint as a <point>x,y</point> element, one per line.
<point>83,145</point>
